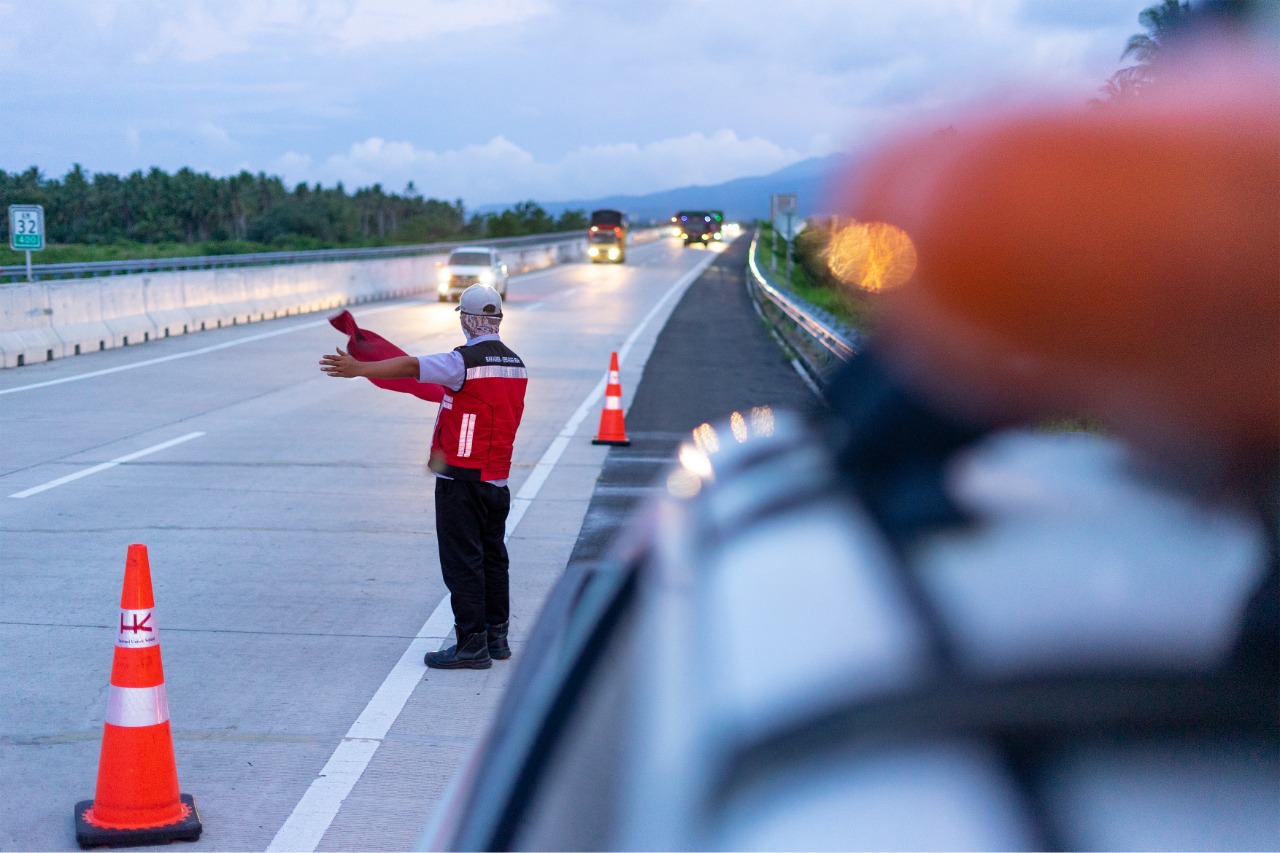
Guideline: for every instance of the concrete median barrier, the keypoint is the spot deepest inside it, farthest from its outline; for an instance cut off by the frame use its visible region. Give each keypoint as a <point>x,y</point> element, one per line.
<point>166,304</point>
<point>44,320</point>
<point>124,309</point>
<point>76,316</point>
<point>26,329</point>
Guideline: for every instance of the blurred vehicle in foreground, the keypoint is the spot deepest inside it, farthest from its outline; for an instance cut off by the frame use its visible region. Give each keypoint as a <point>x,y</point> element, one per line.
<point>762,668</point>
<point>468,265</point>
<point>912,620</point>
<point>607,236</point>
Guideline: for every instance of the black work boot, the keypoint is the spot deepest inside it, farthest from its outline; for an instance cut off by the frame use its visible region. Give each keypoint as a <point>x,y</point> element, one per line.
<point>470,652</point>
<point>498,648</point>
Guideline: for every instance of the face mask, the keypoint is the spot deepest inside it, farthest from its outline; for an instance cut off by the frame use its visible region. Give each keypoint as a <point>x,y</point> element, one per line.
<point>475,325</point>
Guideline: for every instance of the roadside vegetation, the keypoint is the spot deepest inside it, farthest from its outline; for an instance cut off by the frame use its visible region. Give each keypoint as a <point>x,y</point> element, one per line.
<point>1160,21</point>
<point>811,278</point>
<point>154,214</point>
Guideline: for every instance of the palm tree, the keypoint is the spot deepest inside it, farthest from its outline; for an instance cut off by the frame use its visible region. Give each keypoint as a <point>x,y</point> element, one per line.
<point>1160,21</point>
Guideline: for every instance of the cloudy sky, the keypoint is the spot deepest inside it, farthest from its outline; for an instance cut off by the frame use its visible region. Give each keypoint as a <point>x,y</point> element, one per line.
<point>497,101</point>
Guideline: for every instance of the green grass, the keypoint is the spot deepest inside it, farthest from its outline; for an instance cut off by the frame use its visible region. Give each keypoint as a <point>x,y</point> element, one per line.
<point>811,281</point>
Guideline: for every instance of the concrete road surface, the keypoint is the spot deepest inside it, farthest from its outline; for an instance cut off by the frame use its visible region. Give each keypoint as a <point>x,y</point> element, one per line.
<point>289,522</point>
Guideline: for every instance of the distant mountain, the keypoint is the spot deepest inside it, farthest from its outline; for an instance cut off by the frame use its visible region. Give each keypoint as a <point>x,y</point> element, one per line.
<point>742,199</point>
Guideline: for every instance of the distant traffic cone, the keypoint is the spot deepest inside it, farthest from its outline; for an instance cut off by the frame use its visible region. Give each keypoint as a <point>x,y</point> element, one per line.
<point>137,800</point>
<point>612,430</point>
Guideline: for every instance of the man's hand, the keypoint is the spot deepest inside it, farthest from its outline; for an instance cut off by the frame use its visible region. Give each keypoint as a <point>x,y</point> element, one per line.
<point>341,365</point>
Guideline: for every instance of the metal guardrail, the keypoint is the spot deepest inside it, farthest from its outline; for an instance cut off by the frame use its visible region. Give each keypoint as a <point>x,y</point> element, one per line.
<point>817,343</point>
<point>44,272</point>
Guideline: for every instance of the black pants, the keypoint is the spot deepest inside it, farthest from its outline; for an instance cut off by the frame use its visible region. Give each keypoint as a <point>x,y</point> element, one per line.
<point>471,521</point>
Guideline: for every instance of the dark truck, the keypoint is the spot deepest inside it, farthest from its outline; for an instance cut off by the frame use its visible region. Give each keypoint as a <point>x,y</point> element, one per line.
<point>607,236</point>
<point>697,227</point>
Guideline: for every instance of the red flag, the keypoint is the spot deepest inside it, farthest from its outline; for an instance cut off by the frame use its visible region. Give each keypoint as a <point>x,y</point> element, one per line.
<point>364,345</point>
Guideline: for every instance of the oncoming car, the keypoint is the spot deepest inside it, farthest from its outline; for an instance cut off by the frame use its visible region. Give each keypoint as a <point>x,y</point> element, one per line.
<point>469,265</point>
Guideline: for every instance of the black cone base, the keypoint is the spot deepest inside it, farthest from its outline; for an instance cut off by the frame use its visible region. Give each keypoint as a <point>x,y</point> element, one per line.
<point>88,835</point>
<point>616,442</point>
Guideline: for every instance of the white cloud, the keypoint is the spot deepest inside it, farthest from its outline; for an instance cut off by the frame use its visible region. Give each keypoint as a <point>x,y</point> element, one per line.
<point>498,100</point>
<point>291,166</point>
<point>213,135</point>
<point>196,32</point>
<point>370,23</point>
<point>501,171</point>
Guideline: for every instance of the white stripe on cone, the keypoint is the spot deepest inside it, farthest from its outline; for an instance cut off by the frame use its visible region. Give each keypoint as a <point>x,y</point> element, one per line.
<point>137,707</point>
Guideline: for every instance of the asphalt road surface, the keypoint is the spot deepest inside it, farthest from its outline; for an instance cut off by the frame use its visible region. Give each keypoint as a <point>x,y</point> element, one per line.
<point>714,357</point>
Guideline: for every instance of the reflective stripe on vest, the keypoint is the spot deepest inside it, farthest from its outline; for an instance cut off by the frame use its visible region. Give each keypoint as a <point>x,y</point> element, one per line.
<point>490,372</point>
<point>135,707</point>
<point>466,433</point>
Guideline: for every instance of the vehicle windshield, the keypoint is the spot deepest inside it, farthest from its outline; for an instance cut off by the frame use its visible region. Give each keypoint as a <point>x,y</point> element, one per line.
<point>606,217</point>
<point>469,259</point>
<point>609,236</point>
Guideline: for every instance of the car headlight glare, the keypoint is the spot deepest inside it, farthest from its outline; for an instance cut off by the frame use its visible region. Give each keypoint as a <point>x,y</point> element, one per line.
<point>485,277</point>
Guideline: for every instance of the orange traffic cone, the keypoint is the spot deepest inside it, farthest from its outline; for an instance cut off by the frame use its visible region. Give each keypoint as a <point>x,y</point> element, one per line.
<point>612,428</point>
<point>137,800</point>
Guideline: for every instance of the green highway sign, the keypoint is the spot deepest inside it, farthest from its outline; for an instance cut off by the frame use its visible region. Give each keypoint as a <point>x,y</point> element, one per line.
<point>26,227</point>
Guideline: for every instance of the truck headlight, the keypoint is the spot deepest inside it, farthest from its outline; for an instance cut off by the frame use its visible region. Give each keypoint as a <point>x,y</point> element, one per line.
<point>613,254</point>
<point>593,251</point>
<point>444,287</point>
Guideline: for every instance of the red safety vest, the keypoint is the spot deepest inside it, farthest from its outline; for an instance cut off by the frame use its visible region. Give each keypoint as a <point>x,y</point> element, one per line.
<point>477,424</point>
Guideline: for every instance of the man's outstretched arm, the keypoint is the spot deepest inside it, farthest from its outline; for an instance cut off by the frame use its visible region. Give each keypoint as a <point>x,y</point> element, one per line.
<point>344,366</point>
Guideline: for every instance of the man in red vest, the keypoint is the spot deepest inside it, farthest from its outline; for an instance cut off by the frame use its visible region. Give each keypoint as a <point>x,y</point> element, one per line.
<point>484,383</point>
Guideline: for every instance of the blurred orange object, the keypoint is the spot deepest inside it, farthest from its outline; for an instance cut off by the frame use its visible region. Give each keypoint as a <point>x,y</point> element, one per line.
<point>1122,262</point>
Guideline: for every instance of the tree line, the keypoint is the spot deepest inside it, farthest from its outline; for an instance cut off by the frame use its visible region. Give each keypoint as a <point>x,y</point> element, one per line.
<point>248,212</point>
<point>1167,23</point>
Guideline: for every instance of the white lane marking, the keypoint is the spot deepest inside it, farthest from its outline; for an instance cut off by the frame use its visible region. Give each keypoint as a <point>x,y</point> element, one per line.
<point>306,825</point>
<point>52,484</point>
<point>202,351</point>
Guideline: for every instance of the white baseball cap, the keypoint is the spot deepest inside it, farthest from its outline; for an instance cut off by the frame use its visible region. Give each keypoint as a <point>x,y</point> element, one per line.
<point>480,299</point>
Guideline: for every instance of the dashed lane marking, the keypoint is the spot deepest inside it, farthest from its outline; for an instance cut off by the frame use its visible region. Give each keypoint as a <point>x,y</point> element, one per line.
<point>120,460</point>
